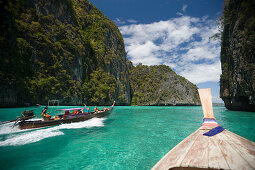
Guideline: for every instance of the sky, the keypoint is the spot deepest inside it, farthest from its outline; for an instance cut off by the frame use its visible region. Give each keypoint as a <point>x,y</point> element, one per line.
<point>171,32</point>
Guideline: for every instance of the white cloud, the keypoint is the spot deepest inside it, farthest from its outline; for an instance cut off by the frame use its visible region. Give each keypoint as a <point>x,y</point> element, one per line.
<point>181,43</point>
<point>142,50</point>
<point>171,33</point>
<point>179,13</point>
<point>118,21</point>
<point>132,21</point>
<point>217,99</point>
<point>144,53</point>
<point>200,52</point>
<point>199,73</point>
<point>184,7</point>
<point>171,65</point>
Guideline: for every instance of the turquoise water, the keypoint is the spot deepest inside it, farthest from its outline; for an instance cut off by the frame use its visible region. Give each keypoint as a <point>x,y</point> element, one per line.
<point>132,137</point>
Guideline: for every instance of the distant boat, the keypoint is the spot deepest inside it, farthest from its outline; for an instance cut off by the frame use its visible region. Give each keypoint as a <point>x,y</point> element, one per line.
<point>24,123</point>
<point>225,150</point>
<point>30,124</point>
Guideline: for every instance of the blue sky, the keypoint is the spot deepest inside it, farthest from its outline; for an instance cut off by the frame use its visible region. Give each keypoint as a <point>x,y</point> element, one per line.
<point>171,32</point>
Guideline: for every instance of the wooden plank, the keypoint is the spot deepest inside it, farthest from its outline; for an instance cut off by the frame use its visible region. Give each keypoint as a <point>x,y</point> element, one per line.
<point>207,128</point>
<point>175,156</point>
<point>232,157</point>
<point>225,150</point>
<point>239,144</point>
<point>198,153</point>
<point>206,101</point>
<point>242,141</point>
<point>216,158</point>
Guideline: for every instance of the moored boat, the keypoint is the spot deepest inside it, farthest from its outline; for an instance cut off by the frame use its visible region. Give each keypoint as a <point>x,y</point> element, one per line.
<point>61,119</point>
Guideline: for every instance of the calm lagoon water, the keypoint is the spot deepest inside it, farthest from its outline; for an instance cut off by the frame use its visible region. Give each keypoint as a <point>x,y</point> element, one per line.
<point>132,137</point>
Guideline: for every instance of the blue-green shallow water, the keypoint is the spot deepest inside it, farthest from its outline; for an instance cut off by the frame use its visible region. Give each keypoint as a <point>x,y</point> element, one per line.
<point>132,137</point>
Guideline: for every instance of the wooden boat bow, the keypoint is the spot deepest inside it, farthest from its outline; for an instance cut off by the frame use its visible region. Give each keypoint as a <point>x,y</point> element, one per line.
<point>225,150</point>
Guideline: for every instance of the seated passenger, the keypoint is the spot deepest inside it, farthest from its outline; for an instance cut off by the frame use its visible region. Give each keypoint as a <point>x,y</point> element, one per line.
<point>45,110</point>
<point>67,112</point>
<point>56,117</point>
<point>104,109</point>
<point>45,116</point>
<point>87,111</point>
<point>74,112</point>
<point>96,109</point>
<point>80,111</point>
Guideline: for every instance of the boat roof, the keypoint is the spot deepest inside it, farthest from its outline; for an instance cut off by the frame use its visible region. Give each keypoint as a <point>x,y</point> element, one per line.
<point>79,108</point>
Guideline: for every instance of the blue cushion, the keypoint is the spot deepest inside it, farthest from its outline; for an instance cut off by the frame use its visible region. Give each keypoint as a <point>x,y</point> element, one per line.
<point>214,131</point>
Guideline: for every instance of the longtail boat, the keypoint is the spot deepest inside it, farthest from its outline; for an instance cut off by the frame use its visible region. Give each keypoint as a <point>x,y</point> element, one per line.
<point>61,119</point>
<point>224,150</point>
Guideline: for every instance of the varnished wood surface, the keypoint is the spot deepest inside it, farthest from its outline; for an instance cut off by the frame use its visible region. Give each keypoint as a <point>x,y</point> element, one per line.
<point>225,150</point>
<point>206,101</point>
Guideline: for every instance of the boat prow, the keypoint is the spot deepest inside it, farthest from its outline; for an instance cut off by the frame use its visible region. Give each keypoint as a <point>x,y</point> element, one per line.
<point>225,150</point>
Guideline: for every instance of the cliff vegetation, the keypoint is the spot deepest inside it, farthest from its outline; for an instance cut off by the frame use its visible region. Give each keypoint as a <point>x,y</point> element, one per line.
<point>160,85</point>
<point>60,50</point>
<point>69,51</point>
<point>237,81</point>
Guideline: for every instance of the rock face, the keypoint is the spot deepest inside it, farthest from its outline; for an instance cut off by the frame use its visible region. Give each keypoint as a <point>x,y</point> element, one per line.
<point>68,50</point>
<point>159,85</point>
<point>237,81</point>
<point>60,49</point>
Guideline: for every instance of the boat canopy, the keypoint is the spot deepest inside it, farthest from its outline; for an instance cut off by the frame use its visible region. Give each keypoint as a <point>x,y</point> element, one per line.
<point>73,108</point>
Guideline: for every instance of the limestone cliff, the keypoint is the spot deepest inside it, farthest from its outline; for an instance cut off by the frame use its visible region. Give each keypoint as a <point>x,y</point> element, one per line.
<point>160,85</point>
<point>237,81</point>
<point>68,50</point>
<point>60,49</point>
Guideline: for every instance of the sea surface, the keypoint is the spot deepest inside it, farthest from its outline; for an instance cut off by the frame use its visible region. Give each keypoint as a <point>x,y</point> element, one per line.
<point>132,137</point>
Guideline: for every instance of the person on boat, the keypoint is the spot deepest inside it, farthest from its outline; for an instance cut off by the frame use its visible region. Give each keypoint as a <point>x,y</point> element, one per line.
<point>44,114</point>
<point>104,109</point>
<point>75,112</point>
<point>45,109</point>
<point>95,109</point>
<point>57,118</point>
<point>67,112</point>
<point>113,103</point>
<point>87,111</point>
<point>80,111</point>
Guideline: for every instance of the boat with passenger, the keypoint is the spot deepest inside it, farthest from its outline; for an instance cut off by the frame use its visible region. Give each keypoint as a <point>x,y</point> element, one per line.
<point>77,115</point>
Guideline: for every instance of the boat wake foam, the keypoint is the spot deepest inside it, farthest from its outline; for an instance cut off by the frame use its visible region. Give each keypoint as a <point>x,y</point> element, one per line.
<point>8,129</point>
<point>15,136</point>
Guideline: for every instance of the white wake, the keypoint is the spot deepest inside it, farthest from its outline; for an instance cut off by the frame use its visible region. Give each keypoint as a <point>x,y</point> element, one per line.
<point>15,136</point>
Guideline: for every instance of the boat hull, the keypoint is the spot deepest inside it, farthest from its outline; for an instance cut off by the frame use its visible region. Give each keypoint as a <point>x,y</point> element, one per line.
<point>67,119</point>
<point>225,150</point>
